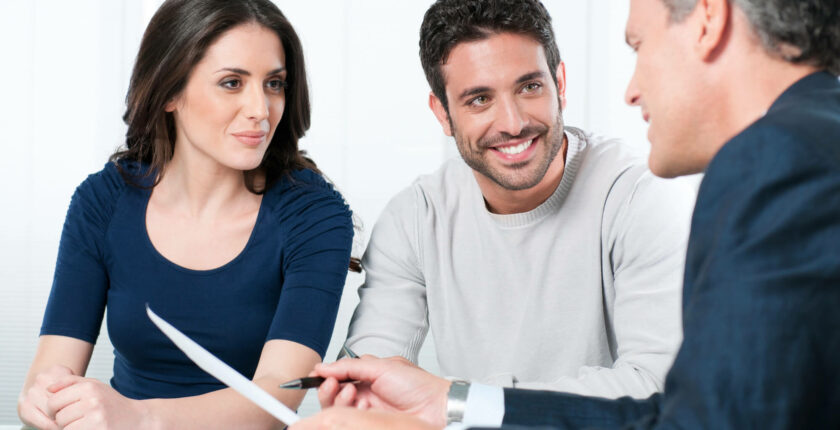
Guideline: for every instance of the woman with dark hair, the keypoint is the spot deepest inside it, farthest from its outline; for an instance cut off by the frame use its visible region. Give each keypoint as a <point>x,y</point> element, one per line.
<point>212,216</point>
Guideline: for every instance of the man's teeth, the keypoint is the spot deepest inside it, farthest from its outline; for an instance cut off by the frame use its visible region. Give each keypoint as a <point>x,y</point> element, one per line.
<point>513,150</point>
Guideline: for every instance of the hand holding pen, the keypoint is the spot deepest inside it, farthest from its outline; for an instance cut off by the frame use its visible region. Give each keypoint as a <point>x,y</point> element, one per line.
<point>389,384</point>
<point>316,381</point>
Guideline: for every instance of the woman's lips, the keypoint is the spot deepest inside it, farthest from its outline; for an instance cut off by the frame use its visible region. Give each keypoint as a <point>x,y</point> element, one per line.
<point>250,138</point>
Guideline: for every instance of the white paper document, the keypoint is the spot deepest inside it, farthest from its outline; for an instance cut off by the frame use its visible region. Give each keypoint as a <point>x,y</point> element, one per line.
<point>221,371</point>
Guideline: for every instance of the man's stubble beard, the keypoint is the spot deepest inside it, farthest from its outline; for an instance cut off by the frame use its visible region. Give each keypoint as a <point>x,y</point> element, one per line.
<point>551,136</point>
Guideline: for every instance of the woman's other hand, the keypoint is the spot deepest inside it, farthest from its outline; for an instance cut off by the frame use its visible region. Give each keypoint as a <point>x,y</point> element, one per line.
<point>32,403</point>
<point>85,403</point>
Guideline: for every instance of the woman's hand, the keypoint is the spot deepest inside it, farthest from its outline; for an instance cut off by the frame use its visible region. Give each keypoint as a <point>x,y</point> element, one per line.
<point>32,403</point>
<point>84,403</point>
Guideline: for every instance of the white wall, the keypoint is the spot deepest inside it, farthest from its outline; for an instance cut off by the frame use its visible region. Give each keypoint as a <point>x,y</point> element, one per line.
<point>66,66</point>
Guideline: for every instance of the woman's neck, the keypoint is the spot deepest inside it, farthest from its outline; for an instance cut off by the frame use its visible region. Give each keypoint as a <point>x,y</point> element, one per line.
<point>199,186</point>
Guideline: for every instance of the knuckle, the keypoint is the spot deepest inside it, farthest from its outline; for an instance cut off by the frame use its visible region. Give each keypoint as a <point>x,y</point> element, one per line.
<point>31,393</point>
<point>41,379</point>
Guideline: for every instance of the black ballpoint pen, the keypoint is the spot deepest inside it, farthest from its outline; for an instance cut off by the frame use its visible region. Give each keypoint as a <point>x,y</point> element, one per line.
<point>310,382</point>
<point>316,381</point>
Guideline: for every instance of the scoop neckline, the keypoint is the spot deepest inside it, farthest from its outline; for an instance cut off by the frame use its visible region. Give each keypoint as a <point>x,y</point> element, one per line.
<point>178,267</point>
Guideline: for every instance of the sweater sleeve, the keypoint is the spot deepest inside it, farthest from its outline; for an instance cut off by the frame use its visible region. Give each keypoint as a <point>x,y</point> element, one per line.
<point>647,235</point>
<point>80,283</point>
<point>318,227</point>
<point>392,315</point>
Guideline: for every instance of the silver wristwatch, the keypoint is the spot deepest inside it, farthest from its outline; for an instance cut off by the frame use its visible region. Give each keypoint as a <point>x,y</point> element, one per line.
<point>456,401</point>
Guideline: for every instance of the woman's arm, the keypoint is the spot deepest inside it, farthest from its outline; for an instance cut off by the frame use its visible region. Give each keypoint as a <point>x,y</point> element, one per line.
<point>84,401</point>
<point>56,357</point>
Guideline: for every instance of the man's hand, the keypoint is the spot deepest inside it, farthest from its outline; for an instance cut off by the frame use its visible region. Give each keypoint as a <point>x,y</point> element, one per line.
<point>389,384</point>
<point>88,403</point>
<point>342,418</point>
<point>32,403</point>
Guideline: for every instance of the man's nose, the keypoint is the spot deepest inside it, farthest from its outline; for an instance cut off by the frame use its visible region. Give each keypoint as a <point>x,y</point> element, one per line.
<point>509,117</point>
<point>632,96</point>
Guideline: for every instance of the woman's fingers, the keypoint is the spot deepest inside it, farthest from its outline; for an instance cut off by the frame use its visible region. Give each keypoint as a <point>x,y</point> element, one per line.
<point>34,417</point>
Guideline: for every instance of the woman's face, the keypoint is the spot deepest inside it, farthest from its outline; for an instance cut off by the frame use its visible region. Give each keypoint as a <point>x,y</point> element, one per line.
<point>233,100</point>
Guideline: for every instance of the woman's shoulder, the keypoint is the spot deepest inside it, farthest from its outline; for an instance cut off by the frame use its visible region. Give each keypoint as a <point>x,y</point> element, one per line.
<point>305,192</point>
<point>106,184</point>
<point>96,198</point>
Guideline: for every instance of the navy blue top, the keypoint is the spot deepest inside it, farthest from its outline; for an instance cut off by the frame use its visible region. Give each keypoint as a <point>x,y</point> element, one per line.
<point>285,284</point>
<point>761,305</point>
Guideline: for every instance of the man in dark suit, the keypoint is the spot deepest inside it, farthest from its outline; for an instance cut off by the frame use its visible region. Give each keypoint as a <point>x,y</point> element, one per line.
<point>747,92</point>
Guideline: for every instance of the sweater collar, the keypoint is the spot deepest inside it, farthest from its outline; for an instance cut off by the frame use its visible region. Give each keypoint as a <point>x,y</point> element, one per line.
<point>574,154</point>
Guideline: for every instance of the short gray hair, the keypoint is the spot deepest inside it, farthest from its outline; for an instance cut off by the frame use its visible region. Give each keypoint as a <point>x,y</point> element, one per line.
<point>799,31</point>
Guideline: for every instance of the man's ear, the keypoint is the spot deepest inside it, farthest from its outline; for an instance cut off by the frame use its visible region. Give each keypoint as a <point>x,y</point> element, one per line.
<point>561,84</point>
<point>440,113</point>
<point>714,19</point>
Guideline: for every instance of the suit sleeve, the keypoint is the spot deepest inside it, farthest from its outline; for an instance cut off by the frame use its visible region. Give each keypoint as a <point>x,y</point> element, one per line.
<point>392,315</point>
<point>763,283</point>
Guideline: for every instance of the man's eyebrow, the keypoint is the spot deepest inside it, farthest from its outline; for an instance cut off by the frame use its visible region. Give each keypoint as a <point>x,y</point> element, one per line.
<point>247,73</point>
<point>529,76</point>
<point>473,91</point>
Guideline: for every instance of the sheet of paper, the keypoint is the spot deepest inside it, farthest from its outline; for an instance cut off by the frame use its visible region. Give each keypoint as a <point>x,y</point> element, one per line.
<point>221,371</point>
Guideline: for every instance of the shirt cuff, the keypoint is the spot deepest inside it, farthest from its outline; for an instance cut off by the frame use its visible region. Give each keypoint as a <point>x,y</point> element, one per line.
<point>485,407</point>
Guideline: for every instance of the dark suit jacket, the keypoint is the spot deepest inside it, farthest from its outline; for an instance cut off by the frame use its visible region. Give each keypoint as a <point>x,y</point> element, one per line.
<point>761,300</point>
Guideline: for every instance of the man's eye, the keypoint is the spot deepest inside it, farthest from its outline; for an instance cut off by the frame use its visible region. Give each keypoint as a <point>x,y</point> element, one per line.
<point>479,101</point>
<point>231,84</point>
<point>532,87</point>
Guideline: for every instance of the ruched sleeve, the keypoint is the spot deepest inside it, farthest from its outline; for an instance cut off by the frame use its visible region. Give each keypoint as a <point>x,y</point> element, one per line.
<point>80,282</point>
<point>318,230</point>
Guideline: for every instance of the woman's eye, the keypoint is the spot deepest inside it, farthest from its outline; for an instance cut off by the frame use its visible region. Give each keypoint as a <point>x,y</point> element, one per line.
<point>231,84</point>
<point>276,84</point>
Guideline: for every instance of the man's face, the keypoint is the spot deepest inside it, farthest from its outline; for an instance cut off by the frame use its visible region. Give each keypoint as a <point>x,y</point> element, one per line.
<point>665,85</point>
<point>504,110</point>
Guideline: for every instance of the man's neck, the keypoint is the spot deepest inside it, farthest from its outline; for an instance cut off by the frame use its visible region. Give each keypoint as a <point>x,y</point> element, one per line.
<point>749,80</point>
<point>505,202</point>
<point>748,100</point>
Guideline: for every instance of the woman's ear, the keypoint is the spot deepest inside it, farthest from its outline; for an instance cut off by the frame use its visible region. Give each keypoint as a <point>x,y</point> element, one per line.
<point>171,105</point>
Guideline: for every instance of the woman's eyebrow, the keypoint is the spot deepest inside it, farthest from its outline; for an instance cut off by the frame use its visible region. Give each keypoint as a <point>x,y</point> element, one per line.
<point>247,73</point>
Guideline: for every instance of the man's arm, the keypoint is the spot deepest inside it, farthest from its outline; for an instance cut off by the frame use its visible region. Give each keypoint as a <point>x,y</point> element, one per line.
<point>646,228</point>
<point>763,290</point>
<point>391,318</point>
<point>762,300</point>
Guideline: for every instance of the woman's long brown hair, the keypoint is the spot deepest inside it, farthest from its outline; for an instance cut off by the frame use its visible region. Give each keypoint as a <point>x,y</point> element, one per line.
<point>175,40</point>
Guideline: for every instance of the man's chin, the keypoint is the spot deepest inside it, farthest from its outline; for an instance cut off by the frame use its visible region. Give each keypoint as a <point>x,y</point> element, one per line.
<point>672,168</point>
<point>515,182</point>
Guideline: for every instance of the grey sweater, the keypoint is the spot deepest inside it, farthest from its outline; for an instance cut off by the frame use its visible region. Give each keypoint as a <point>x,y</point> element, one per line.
<point>581,294</point>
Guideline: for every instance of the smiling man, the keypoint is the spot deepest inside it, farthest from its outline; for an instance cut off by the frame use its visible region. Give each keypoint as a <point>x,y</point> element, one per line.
<point>544,257</point>
<point>747,92</point>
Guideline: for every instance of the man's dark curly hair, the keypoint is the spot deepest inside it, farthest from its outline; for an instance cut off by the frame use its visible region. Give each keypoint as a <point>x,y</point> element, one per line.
<point>450,22</point>
<point>798,31</point>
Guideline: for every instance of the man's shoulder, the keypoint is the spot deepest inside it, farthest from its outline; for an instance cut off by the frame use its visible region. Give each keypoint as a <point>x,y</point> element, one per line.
<point>444,187</point>
<point>781,143</point>
<point>604,157</point>
<point>450,177</point>
<point>801,127</point>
